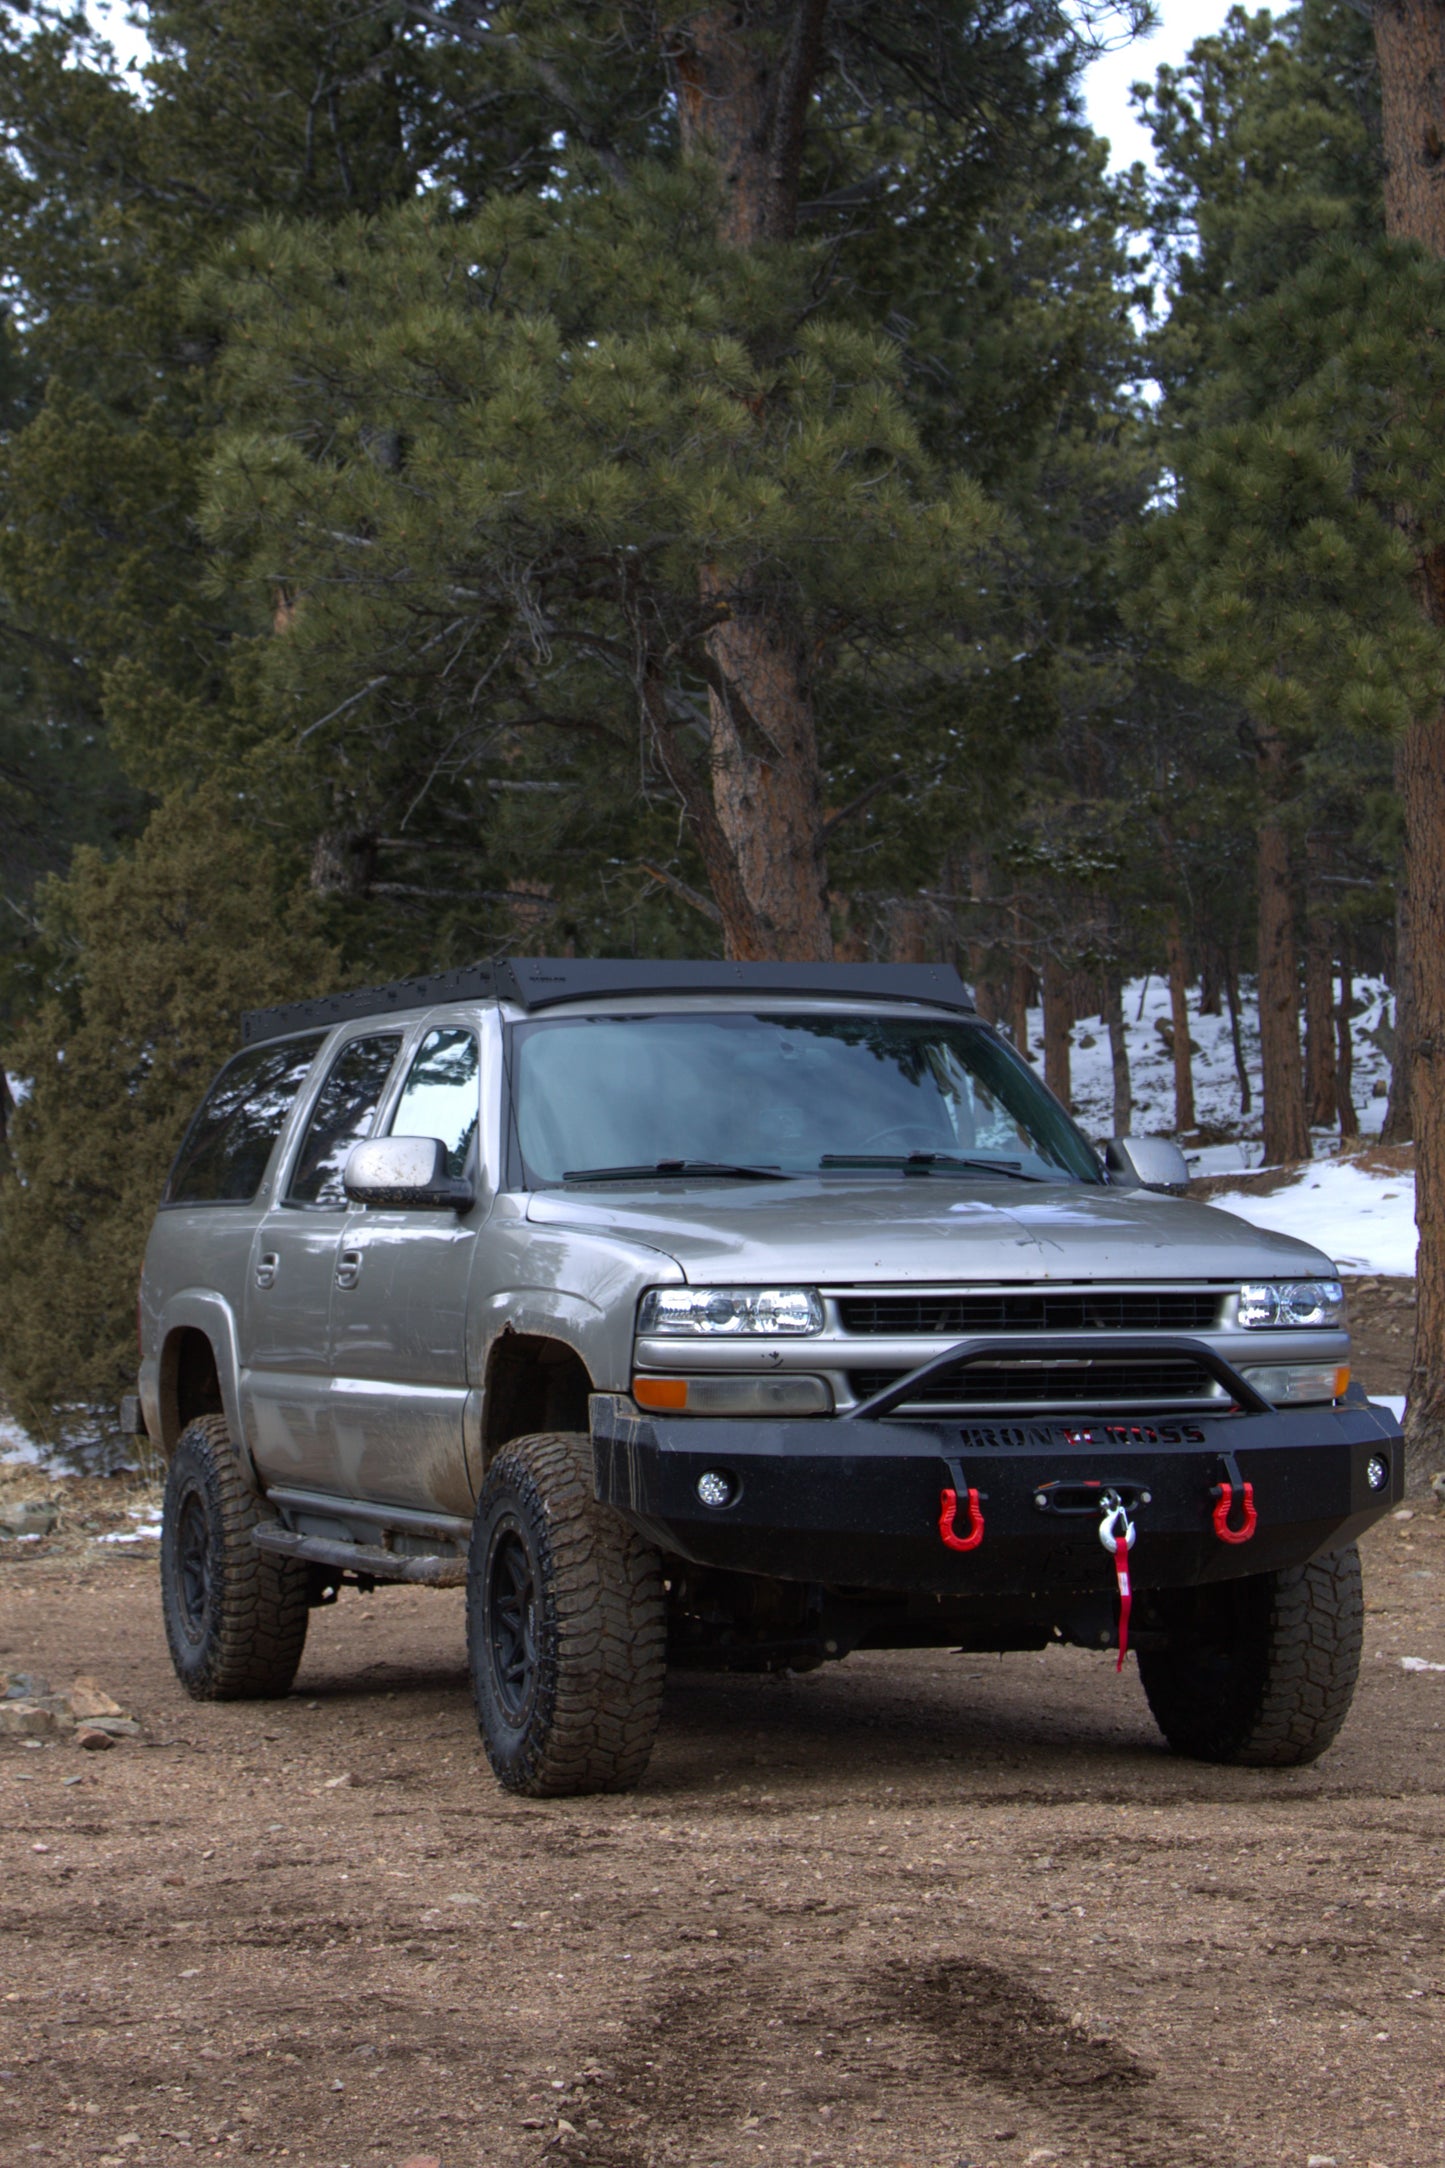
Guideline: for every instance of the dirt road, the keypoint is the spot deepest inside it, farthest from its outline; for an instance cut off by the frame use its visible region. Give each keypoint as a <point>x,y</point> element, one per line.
<point>915,1909</point>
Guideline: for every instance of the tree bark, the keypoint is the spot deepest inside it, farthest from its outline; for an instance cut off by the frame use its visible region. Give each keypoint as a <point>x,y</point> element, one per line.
<point>1345,1064</point>
<point>1286,1132</point>
<point>766,783</point>
<point>1211,979</point>
<point>1410,47</point>
<point>1319,1020</point>
<point>1118,1052</point>
<point>907,934</point>
<point>744,78</point>
<point>1399,1123</point>
<point>1058,1022</point>
<point>1179,1011</point>
<point>1020,984</point>
<point>1241,1067</point>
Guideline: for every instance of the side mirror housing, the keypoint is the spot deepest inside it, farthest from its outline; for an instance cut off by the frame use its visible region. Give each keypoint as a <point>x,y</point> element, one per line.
<point>1147,1163</point>
<point>402,1172</point>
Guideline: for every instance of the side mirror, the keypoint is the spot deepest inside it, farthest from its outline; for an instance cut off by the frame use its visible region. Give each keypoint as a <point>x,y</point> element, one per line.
<point>1147,1163</point>
<point>405,1171</point>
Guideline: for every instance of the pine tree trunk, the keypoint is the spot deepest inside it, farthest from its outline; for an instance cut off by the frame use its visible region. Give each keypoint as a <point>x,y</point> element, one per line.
<point>1118,1052</point>
<point>1345,1065</point>
<point>1408,45</point>
<point>1211,979</point>
<point>1020,984</point>
<point>1399,1125</point>
<point>1236,1037</point>
<point>766,782</point>
<point>744,78</point>
<point>1286,1132</point>
<point>1424,770</point>
<point>907,934</point>
<point>1058,1023</point>
<point>1319,1021</point>
<point>1179,1010</point>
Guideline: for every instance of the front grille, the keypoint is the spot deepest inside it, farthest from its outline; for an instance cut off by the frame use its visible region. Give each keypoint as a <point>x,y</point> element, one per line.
<point>1075,1385</point>
<point>1193,1309</point>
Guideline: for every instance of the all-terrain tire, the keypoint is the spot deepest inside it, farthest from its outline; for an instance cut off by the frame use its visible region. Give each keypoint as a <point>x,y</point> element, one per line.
<point>1259,1671</point>
<point>566,1632</point>
<point>235,1616</point>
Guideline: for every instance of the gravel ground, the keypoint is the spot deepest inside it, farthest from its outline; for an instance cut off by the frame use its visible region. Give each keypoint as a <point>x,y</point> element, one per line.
<point>916,1909</point>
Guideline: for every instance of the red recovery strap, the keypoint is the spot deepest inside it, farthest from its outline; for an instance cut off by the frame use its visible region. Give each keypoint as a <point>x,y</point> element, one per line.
<point>1246,1529</point>
<point>1117,1533</point>
<point>948,1508</point>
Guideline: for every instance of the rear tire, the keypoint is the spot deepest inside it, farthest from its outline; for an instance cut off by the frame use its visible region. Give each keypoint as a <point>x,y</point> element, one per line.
<point>235,1617</point>
<point>566,1631</point>
<point>1259,1671</point>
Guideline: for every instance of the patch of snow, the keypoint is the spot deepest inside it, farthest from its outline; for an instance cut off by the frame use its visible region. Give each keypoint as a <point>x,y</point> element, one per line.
<point>1362,1219</point>
<point>148,1534</point>
<point>1395,1402</point>
<point>1419,1663</point>
<point>16,1445</point>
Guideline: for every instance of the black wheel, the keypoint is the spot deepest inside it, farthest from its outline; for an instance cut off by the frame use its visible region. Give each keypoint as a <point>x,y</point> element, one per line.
<point>1259,1671</point>
<point>565,1626</point>
<point>235,1616</point>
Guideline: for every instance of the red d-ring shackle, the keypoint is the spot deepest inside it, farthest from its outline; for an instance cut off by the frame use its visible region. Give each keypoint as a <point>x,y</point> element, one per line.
<point>1246,1529</point>
<point>948,1508</point>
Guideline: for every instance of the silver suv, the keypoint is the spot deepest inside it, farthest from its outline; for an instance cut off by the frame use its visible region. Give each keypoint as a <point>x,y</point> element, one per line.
<point>735,1315</point>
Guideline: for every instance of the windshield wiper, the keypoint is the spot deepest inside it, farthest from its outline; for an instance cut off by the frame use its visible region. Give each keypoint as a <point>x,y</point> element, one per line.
<point>926,1162</point>
<point>675,1166</point>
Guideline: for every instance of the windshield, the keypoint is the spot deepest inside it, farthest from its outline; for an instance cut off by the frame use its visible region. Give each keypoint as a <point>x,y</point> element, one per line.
<point>844,1096</point>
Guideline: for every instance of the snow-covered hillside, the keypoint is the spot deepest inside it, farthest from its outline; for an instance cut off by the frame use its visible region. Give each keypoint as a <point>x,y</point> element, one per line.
<point>1216,1089</point>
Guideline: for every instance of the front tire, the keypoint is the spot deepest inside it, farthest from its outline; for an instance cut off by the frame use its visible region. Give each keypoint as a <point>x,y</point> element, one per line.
<point>1259,1671</point>
<point>235,1616</point>
<point>566,1632</point>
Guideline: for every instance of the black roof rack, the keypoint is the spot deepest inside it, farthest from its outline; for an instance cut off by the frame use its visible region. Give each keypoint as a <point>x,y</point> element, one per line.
<point>542,982</point>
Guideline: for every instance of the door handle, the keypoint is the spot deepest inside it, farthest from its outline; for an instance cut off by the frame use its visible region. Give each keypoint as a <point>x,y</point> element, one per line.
<point>266,1269</point>
<point>348,1268</point>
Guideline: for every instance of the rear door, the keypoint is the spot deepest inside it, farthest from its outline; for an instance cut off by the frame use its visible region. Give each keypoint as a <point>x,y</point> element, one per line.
<point>398,1308</point>
<point>286,1377</point>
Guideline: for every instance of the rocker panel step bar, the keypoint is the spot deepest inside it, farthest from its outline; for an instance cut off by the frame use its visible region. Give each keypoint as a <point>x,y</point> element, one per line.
<point>382,1565</point>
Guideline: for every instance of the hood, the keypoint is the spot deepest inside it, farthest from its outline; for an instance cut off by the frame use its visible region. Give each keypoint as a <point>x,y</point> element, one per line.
<point>928,1230</point>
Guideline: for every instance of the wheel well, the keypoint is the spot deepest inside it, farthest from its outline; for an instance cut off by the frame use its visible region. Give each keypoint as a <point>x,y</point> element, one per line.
<point>190,1382</point>
<point>533,1383</point>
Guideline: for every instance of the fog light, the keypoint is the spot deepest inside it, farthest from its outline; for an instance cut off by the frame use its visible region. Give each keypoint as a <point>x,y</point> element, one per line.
<point>1377,1471</point>
<point>714,1488</point>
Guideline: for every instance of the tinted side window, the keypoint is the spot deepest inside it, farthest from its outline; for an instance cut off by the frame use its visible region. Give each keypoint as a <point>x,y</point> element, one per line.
<point>341,1117</point>
<point>441,1096</point>
<point>225,1150</point>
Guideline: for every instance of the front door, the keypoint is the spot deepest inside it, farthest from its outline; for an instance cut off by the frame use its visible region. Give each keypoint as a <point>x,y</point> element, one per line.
<point>399,1306</point>
<point>286,1381</point>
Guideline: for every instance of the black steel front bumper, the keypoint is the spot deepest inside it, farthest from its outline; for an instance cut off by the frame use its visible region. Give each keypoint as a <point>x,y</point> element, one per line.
<point>854,1502</point>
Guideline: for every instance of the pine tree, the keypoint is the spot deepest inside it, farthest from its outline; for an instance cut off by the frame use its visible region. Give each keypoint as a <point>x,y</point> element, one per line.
<point>1408,44</point>
<point>153,955</point>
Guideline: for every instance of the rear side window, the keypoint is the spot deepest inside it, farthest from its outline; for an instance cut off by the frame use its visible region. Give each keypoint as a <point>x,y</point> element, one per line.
<point>225,1150</point>
<point>343,1115</point>
<point>441,1096</point>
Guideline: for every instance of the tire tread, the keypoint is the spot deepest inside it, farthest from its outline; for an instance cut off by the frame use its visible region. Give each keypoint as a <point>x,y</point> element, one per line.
<point>258,1630</point>
<point>603,1629</point>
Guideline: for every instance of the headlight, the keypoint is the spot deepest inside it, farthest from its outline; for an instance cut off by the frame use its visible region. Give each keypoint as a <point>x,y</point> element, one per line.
<point>1291,1302</point>
<point>728,1312</point>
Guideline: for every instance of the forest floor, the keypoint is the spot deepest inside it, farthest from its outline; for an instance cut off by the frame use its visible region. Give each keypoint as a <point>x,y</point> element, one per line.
<point>914,1911</point>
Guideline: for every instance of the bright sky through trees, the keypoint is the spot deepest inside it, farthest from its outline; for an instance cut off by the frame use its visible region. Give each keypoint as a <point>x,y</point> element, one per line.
<point>1106,84</point>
